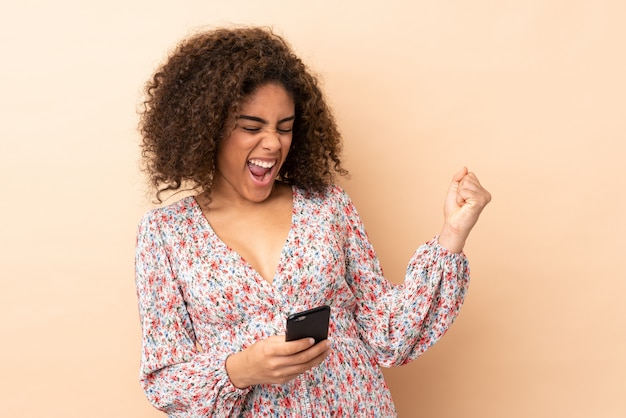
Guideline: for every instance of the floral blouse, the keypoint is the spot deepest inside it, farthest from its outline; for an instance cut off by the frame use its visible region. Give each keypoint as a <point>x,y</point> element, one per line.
<point>200,301</point>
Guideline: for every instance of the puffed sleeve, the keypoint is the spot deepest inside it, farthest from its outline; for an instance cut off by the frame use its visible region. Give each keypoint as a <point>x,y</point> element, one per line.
<point>400,322</point>
<point>176,377</point>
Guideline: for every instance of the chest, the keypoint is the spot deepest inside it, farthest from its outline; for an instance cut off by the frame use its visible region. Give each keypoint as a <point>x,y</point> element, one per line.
<point>222,287</point>
<point>257,237</point>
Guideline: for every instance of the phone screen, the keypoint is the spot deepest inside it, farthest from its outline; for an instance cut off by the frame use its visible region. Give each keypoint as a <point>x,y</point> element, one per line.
<point>310,323</point>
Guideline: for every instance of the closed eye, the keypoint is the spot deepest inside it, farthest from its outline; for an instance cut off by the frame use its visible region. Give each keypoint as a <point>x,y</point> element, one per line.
<point>255,129</point>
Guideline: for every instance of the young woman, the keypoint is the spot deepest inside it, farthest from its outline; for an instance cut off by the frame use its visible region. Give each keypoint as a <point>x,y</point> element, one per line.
<point>235,115</point>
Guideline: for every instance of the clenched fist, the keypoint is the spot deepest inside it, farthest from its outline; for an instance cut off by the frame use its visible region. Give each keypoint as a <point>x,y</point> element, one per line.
<point>464,202</point>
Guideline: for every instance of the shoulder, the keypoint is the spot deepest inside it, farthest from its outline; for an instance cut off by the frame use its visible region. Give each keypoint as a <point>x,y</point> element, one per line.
<point>332,195</point>
<point>332,199</point>
<point>169,214</point>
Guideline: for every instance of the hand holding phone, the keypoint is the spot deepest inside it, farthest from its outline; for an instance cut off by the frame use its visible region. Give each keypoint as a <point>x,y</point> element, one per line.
<point>311,323</point>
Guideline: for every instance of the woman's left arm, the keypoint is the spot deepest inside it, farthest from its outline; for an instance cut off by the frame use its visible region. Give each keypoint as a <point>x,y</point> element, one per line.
<point>401,322</point>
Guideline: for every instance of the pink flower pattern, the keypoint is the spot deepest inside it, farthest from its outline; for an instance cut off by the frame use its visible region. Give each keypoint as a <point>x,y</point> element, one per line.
<point>200,302</point>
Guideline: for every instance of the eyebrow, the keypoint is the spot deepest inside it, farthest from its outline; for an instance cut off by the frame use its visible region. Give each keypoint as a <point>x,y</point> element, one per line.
<point>263,121</point>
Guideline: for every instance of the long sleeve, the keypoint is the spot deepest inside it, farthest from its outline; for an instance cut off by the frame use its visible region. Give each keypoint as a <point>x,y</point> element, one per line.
<point>176,377</point>
<point>400,322</point>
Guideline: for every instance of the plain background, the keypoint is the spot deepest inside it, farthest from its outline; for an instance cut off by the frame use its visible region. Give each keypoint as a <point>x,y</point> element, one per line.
<point>529,94</point>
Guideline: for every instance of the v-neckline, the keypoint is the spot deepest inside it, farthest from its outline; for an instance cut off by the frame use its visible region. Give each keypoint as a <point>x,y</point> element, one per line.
<point>295,200</point>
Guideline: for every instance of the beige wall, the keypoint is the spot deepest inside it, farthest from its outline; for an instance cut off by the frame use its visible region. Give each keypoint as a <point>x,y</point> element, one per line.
<point>529,94</point>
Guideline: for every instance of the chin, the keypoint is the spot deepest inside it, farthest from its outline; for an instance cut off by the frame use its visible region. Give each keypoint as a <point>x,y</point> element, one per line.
<point>259,196</point>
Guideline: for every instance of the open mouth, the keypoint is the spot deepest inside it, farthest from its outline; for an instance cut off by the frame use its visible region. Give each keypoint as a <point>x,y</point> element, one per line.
<point>261,170</point>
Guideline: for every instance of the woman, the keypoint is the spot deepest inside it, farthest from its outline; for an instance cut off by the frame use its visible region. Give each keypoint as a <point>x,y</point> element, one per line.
<point>234,114</point>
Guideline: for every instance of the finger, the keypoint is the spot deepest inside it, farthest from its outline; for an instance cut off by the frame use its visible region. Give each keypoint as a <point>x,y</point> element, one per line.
<point>453,190</point>
<point>318,358</point>
<point>320,349</point>
<point>468,186</point>
<point>459,175</point>
<point>467,192</point>
<point>470,189</point>
<point>461,191</point>
<point>288,348</point>
<point>470,178</point>
<point>303,360</point>
<point>307,359</point>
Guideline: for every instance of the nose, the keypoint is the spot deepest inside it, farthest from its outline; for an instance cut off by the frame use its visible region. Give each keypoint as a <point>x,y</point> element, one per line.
<point>271,140</point>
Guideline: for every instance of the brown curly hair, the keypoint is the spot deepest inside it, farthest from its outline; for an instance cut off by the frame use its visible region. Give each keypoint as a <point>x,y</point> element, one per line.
<point>191,98</point>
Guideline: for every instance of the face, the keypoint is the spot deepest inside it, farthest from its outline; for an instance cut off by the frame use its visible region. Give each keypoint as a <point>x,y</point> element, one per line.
<point>250,158</point>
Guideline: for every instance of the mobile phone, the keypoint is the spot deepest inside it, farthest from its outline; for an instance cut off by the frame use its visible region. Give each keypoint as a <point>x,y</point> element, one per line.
<point>310,323</point>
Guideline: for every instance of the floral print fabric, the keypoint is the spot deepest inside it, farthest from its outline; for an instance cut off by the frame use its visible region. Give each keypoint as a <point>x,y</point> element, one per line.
<point>200,302</point>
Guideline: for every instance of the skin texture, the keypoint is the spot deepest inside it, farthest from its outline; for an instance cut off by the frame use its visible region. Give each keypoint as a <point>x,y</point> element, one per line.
<point>262,131</point>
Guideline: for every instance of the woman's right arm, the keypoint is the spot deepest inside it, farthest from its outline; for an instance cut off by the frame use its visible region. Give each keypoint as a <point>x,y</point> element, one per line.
<point>179,379</point>
<point>176,377</point>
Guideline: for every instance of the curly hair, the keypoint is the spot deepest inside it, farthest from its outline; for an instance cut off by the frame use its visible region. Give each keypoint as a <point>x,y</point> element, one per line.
<point>191,98</point>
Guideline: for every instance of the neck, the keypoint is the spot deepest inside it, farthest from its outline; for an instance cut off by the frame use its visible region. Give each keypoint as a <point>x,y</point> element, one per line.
<point>223,196</point>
